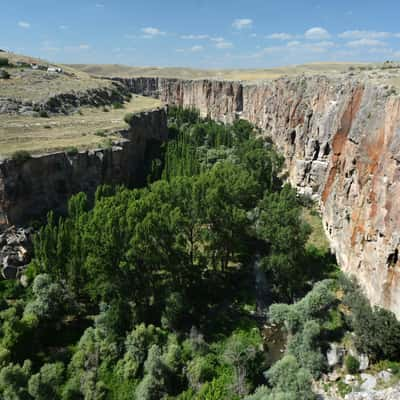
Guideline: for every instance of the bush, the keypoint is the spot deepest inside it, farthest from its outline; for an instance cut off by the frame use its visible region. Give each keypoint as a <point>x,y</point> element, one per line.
<point>377,330</point>
<point>128,118</point>
<point>72,151</point>
<point>352,365</point>
<point>4,74</point>
<point>43,114</point>
<point>21,156</point>
<point>101,133</point>
<point>117,105</point>
<point>4,62</point>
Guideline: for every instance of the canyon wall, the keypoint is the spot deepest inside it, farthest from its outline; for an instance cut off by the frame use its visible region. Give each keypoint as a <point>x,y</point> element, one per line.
<point>341,140</point>
<point>29,189</point>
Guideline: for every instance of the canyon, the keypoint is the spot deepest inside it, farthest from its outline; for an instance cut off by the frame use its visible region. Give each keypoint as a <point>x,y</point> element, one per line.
<point>340,136</point>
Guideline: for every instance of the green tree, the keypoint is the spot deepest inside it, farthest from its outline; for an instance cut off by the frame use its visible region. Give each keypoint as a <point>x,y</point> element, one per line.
<point>14,381</point>
<point>281,226</point>
<point>46,384</point>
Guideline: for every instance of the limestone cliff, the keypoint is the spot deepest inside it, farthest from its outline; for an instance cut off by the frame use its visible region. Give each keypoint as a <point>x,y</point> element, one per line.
<point>341,140</point>
<point>31,188</point>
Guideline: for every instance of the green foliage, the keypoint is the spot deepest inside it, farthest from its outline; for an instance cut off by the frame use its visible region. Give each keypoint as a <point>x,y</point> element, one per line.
<point>244,353</point>
<point>352,364</point>
<point>47,382</point>
<point>72,151</point>
<point>128,118</point>
<point>280,225</point>
<point>4,62</point>
<point>290,380</point>
<point>43,114</point>
<point>304,321</point>
<point>377,331</point>
<point>14,381</point>
<point>145,293</point>
<point>118,106</point>
<point>50,300</point>
<point>4,74</point>
<point>21,156</point>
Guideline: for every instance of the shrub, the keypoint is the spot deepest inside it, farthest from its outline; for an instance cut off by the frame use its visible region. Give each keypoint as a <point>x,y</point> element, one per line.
<point>43,114</point>
<point>21,156</point>
<point>377,330</point>
<point>352,365</point>
<point>4,62</point>
<point>4,74</point>
<point>72,151</point>
<point>117,105</point>
<point>128,118</point>
<point>100,133</point>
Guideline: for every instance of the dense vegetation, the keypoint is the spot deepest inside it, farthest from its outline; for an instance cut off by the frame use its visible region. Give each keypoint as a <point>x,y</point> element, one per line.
<point>149,293</point>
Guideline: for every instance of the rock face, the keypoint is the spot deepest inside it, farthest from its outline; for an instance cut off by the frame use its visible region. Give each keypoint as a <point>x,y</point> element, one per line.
<point>386,394</point>
<point>341,140</point>
<point>31,188</point>
<point>66,102</point>
<point>15,251</point>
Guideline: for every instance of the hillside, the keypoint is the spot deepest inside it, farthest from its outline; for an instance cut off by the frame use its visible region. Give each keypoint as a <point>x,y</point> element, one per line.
<point>43,110</point>
<point>108,70</point>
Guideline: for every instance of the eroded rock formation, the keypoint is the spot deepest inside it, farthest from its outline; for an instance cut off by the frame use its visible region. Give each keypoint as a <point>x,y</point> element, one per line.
<point>341,140</point>
<point>29,189</point>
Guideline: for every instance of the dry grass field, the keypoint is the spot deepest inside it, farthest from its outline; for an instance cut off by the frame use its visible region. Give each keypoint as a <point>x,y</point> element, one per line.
<point>92,127</point>
<point>31,85</point>
<point>109,70</point>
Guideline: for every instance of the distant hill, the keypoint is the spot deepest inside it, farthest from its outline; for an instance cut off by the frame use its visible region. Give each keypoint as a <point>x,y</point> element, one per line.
<point>108,70</point>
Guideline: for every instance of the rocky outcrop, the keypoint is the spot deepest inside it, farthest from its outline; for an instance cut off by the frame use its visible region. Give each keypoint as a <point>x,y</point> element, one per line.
<point>66,103</point>
<point>341,140</point>
<point>15,251</point>
<point>30,188</point>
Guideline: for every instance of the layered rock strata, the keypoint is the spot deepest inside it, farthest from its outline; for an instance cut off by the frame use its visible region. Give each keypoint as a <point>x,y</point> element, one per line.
<point>29,189</point>
<point>341,140</point>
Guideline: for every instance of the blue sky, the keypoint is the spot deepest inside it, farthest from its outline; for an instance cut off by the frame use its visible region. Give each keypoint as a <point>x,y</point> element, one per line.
<point>202,33</point>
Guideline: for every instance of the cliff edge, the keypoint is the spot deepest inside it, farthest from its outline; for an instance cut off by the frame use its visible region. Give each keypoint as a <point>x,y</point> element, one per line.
<point>340,136</point>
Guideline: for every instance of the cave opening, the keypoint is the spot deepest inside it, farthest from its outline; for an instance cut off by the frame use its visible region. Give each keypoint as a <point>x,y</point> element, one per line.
<point>327,149</point>
<point>316,150</point>
<point>293,137</point>
<point>393,258</point>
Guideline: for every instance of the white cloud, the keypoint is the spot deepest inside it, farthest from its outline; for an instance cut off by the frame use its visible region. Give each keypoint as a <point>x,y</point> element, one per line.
<point>317,33</point>
<point>24,24</point>
<point>293,43</point>
<point>150,32</point>
<point>63,27</point>
<point>197,48</point>
<point>224,45</point>
<point>242,23</point>
<point>84,46</point>
<point>280,36</point>
<point>195,37</point>
<point>364,35</point>
<point>217,39</point>
<point>366,43</point>
<point>100,5</point>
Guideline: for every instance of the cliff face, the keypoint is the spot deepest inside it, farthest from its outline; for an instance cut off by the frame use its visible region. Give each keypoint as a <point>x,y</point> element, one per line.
<point>341,141</point>
<point>31,188</point>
